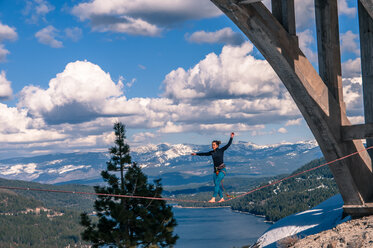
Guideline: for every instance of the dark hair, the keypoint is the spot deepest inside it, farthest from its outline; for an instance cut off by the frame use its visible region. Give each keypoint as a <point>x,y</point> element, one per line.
<point>218,142</point>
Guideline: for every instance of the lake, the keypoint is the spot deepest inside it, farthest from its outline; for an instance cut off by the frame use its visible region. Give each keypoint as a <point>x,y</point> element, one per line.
<point>216,227</point>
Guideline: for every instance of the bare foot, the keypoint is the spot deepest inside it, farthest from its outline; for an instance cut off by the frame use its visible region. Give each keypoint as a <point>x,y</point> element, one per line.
<point>212,199</point>
<point>221,200</point>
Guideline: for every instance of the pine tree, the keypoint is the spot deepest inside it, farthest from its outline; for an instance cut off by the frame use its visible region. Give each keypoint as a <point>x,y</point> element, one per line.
<point>128,222</point>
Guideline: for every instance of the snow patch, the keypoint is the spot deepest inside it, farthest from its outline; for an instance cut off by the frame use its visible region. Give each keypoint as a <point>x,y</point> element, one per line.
<point>68,168</point>
<point>19,168</point>
<point>325,216</point>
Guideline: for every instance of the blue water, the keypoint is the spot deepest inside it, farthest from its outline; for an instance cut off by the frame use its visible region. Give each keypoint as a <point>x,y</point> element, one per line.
<point>216,227</point>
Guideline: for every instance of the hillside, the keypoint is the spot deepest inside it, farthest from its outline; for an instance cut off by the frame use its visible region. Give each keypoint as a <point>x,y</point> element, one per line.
<point>55,200</point>
<point>26,222</point>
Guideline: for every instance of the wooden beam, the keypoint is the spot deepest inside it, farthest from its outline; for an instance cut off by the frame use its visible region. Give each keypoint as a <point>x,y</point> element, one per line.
<point>368,5</point>
<point>249,1</point>
<point>329,54</point>
<point>360,131</point>
<point>366,51</point>
<point>284,12</point>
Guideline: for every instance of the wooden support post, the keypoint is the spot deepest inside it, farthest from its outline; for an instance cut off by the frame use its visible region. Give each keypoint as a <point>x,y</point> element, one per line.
<point>366,50</point>
<point>368,4</point>
<point>284,12</point>
<point>329,50</point>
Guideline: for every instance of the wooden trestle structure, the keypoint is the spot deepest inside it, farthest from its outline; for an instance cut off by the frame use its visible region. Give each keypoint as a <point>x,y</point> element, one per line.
<point>319,95</point>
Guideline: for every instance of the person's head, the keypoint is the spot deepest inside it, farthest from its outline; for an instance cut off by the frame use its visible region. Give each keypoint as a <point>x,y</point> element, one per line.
<point>215,144</point>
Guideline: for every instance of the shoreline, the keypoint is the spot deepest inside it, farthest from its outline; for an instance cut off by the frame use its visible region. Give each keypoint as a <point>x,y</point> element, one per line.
<point>235,211</point>
<point>179,206</point>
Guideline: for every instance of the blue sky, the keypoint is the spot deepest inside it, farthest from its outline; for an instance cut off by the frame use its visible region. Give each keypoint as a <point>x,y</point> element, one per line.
<point>173,71</point>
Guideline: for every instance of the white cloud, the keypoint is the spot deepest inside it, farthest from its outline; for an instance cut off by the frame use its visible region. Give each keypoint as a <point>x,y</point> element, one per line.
<point>142,17</point>
<point>47,36</point>
<point>282,130</point>
<point>234,73</point>
<point>77,94</point>
<point>17,127</point>
<point>171,127</point>
<point>351,68</point>
<point>129,25</point>
<point>349,43</point>
<point>5,87</point>
<point>37,9</point>
<point>306,40</point>
<point>352,96</point>
<point>304,14</point>
<point>3,53</point>
<point>293,122</point>
<point>75,34</point>
<point>142,137</point>
<point>225,36</point>
<point>343,9</point>
<point>7,33</point>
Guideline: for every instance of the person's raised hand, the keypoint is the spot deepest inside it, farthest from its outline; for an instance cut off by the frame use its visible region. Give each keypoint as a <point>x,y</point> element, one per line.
<point>232,135</point>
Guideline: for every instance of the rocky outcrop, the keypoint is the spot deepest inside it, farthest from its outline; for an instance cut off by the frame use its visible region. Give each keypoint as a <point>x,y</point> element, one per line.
<point>353,233</point>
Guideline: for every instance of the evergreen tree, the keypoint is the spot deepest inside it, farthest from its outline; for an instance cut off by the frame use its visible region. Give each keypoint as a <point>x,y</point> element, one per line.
<point>128,222</point>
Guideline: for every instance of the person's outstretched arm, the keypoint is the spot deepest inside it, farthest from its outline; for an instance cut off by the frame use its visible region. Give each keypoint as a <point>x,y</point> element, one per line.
<point>202,153</point>
<point>229,142</point>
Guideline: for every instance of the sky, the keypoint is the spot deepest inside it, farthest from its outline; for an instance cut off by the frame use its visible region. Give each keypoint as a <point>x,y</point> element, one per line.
<point>172,71</point>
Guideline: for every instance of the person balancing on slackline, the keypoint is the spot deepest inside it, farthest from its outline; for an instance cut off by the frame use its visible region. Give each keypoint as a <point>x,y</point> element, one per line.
<point>219,166</point>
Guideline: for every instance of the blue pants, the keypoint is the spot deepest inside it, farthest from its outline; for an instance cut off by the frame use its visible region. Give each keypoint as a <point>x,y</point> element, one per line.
<point>217,181</point>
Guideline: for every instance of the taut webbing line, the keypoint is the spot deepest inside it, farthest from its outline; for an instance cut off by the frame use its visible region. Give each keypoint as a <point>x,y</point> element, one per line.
<point>185,200</point>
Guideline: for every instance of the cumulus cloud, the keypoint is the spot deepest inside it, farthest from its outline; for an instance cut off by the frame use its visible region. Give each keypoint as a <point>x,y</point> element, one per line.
<point>126,24</point>
<point>293,122</point>
<point>6,33</point>
<point>77,94</point>
<point>75,34</point>
<point>5,87</point>
<point>224,92</point>
<point>306,40</point>
<point>47,36</point>
<point>344,9</point>
<point>36,10</point>
<point>142,17</point>
<point>142,137</point>
<point>17,127</point>
<point>232,74</point>
<point>351,68</point>
<point>349,43</point>
<point>282,130</point>
<point>225,36</point>
<point>352,96</point>
<point>3,53</point>
<point>304,14</point>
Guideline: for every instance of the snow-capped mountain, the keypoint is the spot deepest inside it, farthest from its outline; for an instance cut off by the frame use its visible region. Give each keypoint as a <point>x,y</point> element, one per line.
<point>173,163</point>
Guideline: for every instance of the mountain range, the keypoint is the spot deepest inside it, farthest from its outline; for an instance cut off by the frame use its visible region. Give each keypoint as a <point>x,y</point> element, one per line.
<point>172,163</point>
